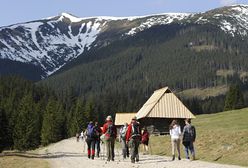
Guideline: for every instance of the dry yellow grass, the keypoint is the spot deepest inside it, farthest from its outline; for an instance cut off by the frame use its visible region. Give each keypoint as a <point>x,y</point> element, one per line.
<point>22,162</point>
<point>204,93</point>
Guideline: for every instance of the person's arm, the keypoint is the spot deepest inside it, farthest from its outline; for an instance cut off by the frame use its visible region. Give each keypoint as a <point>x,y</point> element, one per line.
<point>170,132</point>
<point>128,133</point>
<point>104,129</point>
<point>115,132</point>
<point>179,130</point>
<point>193,128</point>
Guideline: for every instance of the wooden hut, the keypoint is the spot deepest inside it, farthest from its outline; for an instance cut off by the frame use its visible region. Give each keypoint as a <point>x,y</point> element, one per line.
<point>160,109</point>
<point>121,118</point>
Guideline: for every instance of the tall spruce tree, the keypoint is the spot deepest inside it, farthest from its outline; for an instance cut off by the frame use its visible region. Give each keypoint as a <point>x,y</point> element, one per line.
<point>234,98</point>
<point>52,125</point>
<point>26,131</point>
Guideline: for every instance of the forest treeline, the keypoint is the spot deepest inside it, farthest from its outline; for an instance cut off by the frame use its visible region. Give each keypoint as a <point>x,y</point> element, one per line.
<point>32,115</point>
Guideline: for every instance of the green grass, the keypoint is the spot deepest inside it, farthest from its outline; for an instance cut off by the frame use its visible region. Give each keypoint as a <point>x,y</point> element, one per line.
<point>221,138</point>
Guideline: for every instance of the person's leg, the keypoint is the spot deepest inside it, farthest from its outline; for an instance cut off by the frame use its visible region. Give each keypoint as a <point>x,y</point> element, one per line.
<point>124,149</point>
<point>173,144</point>
<point>108,149</point>
<point>98,147</point>
<point>93,149</point>
<point>88,147</point>
<point>127,150</point>
<point>186,149</point>
<point>132,150</point>
<point>136,150</point>
<point>112,149</point>
<point>146,146</point>
<point>178,149</point>
<point>192,150</point>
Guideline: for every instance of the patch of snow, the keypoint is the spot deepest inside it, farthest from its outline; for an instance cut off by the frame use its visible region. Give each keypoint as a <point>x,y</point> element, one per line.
<point>71,17</point>
<point>159,20</point>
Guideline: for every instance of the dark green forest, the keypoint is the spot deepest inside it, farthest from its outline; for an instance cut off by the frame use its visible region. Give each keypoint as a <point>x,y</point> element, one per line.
<point>32,115</point>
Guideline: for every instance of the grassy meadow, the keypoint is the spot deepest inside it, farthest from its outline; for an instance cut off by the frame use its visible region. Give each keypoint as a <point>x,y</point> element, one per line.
<point>221,138</point>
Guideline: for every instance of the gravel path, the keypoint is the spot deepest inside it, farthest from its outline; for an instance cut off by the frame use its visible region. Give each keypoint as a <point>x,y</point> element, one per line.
<point>70,154</point>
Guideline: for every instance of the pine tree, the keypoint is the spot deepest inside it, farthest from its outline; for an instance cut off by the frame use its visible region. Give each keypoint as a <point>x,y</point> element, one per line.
<point>52,125</point>
<point>79,115</point>
<point>26,131</point>
<point>234,98</point>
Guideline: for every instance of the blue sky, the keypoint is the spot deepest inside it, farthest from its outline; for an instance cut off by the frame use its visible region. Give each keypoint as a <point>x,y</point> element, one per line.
<point>16,11</point>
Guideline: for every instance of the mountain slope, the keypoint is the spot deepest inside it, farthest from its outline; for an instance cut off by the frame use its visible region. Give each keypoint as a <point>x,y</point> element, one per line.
<point>51,43</point>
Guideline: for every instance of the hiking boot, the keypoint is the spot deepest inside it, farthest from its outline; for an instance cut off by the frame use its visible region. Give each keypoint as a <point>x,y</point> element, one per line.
<point>137,160</point>
<point>179,158</point>
<point>89,156</point>
<point>173,157</point>
<point>92,157</point>
<point>132,161</point>
<point>97,155</point>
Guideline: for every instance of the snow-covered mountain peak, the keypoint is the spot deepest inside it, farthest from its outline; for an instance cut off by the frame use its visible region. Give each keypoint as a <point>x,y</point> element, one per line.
<point>70,17</point>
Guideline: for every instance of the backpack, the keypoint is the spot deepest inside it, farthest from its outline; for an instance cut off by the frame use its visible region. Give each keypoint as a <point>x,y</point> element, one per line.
<point>110,131</point>
<point>189,134</point>
<point>135,130</point>
<point>123,132</point>
<point>91,131</point>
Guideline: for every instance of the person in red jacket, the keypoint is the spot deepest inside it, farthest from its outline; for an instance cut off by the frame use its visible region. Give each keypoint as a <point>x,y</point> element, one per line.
<point>145,140</point>
<point>133,139</point>
<point>110,132</point>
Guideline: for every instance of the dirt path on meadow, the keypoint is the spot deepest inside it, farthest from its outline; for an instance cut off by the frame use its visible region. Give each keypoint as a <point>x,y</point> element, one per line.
<point>71,154</point>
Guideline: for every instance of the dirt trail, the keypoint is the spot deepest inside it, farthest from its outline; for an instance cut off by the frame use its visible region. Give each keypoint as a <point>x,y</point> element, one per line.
<point>71,154</point>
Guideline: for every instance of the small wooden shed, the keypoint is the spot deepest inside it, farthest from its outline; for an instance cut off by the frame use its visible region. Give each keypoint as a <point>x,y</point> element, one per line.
<point>160,109</point>
<point>121,118</point>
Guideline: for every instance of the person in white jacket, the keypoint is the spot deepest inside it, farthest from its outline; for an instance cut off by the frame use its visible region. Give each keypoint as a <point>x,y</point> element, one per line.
<point>175,132</point>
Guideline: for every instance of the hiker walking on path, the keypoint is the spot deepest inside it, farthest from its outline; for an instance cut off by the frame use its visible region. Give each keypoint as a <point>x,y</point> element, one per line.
<point>98,134</point>
<point>110,132</point>
<point>125,149</point>
<point>133,138</point>
<point>145,140</point>
<point>91,139</point>
<point>189,135</point>
<point>77,136</point>
<point>175,132</point>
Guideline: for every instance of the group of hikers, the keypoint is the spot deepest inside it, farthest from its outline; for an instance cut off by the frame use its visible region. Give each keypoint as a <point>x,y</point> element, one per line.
<point>131,136</point>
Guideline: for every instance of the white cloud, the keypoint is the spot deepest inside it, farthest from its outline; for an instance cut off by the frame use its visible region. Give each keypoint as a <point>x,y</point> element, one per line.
<point>227,2</point>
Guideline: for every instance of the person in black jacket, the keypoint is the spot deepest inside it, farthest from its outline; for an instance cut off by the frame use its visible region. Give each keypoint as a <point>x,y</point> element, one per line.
<point>189,135</point>
<point>98,134</point>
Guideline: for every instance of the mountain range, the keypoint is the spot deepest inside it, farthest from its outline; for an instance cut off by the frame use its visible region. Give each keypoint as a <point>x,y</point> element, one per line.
<point>37,49</point>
